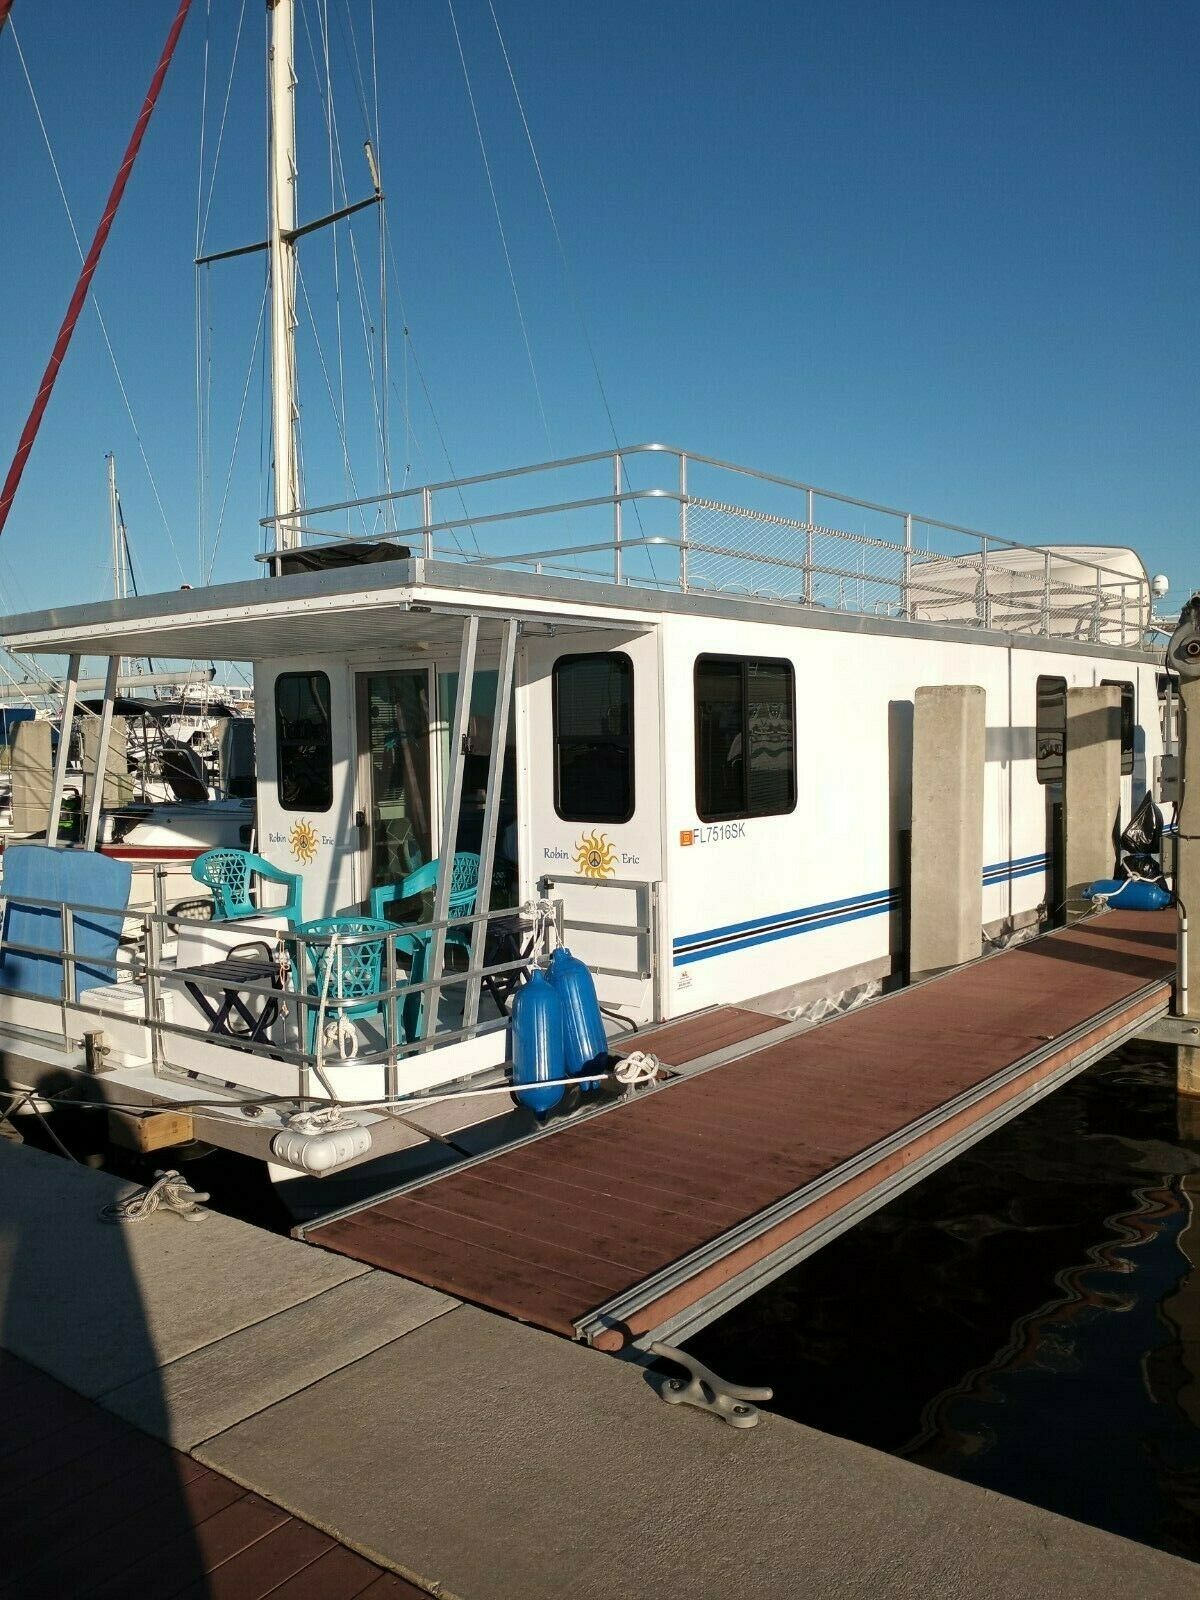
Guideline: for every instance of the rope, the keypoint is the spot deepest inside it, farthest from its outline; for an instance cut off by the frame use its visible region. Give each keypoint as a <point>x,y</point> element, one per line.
<point>639,1066</point>
<point>170,1191</point>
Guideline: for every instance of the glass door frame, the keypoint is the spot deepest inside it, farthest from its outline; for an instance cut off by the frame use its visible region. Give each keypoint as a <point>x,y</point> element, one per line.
<point>440,718</point>
<point>364,795</point>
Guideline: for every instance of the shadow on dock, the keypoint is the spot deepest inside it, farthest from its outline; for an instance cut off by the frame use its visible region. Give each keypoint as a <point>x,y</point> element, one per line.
<point>96,1507</point>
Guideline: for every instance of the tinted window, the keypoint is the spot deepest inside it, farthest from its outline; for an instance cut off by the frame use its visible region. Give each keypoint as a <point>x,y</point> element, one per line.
<point>1051,728</point>
<point>304,740</point>
<point>745,738</point>
<point>1128,722</point>
<point>593,738</point>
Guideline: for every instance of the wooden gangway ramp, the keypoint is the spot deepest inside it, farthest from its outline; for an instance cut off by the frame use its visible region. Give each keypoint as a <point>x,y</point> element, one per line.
<point>652,1217</point>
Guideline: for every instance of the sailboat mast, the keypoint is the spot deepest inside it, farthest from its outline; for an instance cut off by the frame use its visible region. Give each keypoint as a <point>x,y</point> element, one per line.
<point>114,522</point>
<point>281,244</point>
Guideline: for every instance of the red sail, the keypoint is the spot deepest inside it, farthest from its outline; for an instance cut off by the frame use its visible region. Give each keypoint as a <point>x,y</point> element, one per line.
<point>92,260</point>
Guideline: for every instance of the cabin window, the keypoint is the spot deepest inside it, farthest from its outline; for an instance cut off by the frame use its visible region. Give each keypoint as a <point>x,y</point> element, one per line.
<point>593,737</point>
<point>745,738</point>
<point>1051,728</point>
<point>1128,722</point>
<point>304,741</point>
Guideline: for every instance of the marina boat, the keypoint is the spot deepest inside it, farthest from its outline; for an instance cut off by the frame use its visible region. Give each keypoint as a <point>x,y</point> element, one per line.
<point>644,703</point>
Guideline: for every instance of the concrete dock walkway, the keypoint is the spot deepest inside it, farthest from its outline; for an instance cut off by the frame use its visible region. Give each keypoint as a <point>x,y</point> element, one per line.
<point>480,1458</point>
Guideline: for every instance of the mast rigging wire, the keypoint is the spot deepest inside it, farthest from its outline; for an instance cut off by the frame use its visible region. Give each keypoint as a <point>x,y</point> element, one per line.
<point>568,274</point>
<point>237,433</point>
<point>10,486</point>
<point>512,277</point>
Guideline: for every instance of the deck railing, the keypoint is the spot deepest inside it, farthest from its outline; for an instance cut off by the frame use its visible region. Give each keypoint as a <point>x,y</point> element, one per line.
<point>139,960</point>
<point>657,516</point>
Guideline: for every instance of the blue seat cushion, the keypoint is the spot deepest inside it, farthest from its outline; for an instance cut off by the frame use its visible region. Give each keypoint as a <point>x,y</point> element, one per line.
<point>78,877</point>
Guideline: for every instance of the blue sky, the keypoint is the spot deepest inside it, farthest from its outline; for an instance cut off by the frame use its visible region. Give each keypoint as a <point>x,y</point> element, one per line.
<point>943,256</point>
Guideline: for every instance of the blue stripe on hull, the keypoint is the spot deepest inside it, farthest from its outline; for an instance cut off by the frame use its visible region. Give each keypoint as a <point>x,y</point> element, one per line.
<point>736,936</point>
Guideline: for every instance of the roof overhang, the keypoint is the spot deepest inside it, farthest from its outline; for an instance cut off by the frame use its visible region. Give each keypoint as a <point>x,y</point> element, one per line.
<point>351,611</point>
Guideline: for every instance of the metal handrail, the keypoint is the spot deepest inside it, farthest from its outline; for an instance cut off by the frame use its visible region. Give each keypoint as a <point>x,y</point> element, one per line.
<point>1109,595</point>
<point>145,966</point>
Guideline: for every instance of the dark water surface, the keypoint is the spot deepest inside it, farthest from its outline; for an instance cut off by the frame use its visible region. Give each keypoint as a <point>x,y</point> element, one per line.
<point>1028,1319</point>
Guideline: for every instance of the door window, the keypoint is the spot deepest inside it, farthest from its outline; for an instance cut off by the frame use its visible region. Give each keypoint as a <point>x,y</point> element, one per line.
<point>397,738</point>
<point>593,737</point>
<point>1051,732</point>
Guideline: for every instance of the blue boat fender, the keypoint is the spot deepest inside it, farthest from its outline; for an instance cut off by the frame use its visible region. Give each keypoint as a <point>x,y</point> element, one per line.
<point>585,1043</point>
<point>1130,894</point>
<point>537,1045</point>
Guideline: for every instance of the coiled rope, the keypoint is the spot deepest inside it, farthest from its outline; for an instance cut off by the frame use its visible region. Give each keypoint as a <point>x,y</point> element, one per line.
<point>170,1191</point>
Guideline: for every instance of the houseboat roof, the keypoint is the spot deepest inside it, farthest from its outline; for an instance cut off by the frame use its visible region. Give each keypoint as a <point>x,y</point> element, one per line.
<point>355,611</point>
<point>623,539</point>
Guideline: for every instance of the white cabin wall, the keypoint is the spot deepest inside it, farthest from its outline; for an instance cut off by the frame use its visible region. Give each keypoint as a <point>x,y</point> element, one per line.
<point>789,900</point>
<point>328,879</point>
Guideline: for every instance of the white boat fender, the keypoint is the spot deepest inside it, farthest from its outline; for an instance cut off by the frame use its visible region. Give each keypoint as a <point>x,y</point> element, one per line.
<point>319,1141</point>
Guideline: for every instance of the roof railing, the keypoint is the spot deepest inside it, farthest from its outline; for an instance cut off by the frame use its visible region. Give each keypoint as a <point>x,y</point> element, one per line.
<point>661,517</point>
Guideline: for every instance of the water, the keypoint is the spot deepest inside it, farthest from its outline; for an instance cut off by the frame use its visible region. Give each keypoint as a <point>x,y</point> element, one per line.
<point>1028,1319</point>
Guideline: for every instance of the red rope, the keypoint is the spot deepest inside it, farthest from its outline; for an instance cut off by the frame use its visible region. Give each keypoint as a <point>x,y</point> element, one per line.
<point>92,260</point>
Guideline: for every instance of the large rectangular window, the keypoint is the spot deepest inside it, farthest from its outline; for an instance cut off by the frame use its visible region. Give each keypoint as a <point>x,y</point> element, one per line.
<point>1051,729</point>
<point>593,737</point>
<point>304,741</point>
<point>745,738</point>
<point>1128,721</point>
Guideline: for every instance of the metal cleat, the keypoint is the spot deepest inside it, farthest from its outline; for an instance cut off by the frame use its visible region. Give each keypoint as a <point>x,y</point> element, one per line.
<point>710,1393</point>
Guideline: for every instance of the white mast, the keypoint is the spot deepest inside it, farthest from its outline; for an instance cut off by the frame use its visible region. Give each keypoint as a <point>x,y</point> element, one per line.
<point>283,269</point>
<point>116,523</point>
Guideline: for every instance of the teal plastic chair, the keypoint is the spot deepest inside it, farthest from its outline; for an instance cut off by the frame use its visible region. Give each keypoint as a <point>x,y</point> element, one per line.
<point>230,875</point>
<point>356,976</point>
<point>464,890</point>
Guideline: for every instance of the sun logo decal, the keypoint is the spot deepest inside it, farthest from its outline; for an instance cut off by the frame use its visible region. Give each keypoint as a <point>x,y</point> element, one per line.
<point>595,857</point>
<point>303,842</point>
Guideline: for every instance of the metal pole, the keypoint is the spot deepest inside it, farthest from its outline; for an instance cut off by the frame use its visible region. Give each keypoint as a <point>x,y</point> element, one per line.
<point>808,547</point>
<point>283,271</point>
<point>391,1076</point>
<point>491,815</point>
<point>67,941</point>
<point>1046,594</point>
<point>683,522</point>
<point>616,464</point>
<point>983,579</point>
<point>906,588</point>
<point>458,738</point>
<point>1096,611</point>
<point>427,522</point>
<point>96,799</point>
<point>64,750</point>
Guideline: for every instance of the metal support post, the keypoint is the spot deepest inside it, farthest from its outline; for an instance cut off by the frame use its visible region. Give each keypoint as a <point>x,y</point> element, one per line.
<point>68,956</point>
<point>616,464</point>
<point>906,584</point>
<point>427,522</point>
<point>1046,594</point>
<point>453,802</point>
<point>100,776</point>
<point>491,816</point>
<point>1096,609</point>
<point>808,547</point>
<point>152,939</point>
<point>64,750</point>
<point>985,595</point>
<point>683,523</point>
<point>391,1075</point>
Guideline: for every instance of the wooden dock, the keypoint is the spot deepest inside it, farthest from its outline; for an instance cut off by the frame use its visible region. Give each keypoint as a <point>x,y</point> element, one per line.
<point>649,1219</point>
